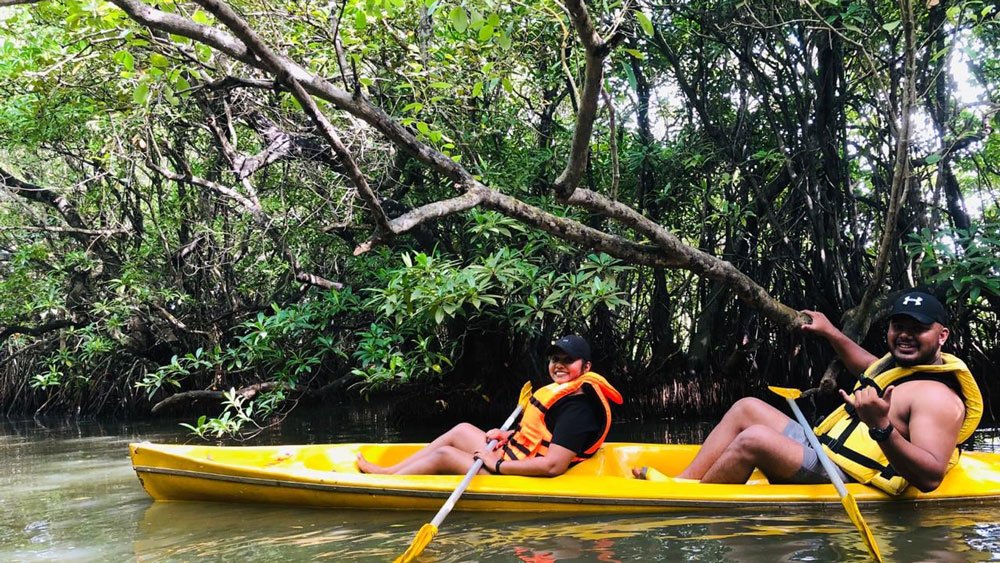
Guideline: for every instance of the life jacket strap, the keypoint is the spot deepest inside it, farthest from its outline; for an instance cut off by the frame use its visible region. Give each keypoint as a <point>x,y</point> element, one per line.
<point>852,455</point>
<point>869,382</point>
<point>521,449</point>
<point>538,405</point>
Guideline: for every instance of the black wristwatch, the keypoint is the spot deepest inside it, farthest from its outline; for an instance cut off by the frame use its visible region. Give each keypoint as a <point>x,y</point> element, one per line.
<point>880,434</point>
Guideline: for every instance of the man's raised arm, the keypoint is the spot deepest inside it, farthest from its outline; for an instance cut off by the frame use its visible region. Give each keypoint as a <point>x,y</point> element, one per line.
<point>854,357</point>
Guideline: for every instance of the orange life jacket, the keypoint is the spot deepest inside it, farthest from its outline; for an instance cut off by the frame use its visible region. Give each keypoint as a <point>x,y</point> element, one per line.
<point>532,438</point>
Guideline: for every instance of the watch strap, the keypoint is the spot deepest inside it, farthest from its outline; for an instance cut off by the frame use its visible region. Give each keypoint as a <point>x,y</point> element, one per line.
<point>881,434</point>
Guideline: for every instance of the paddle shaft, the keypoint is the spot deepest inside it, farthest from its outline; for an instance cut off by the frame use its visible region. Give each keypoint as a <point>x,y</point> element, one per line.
<point>831,470</point>
<point>476,466</point>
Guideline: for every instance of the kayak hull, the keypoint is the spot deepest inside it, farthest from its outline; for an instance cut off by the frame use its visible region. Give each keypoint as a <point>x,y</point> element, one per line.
<point>327,476</point>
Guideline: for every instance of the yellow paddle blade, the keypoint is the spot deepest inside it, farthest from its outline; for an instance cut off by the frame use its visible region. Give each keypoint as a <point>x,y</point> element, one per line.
<point>786,392</point>
<point>424,537</point>
<point>525,394</point>
<point>859,521</point>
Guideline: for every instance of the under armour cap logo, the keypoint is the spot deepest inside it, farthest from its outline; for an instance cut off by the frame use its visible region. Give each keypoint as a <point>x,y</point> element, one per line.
<point>915,300</point>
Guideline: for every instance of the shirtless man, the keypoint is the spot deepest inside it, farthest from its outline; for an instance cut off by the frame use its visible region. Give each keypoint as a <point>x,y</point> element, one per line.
<point>916,424</point>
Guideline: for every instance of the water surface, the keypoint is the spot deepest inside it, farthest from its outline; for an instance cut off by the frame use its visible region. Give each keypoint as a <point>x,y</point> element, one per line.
<point>68,493</point>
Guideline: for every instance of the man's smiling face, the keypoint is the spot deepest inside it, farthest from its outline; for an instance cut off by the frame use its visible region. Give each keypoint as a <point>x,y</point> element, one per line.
<point>914,343</point>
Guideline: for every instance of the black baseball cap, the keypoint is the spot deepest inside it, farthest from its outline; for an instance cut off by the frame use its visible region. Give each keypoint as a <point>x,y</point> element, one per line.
<point>573,345</point>
<point>921,306</point>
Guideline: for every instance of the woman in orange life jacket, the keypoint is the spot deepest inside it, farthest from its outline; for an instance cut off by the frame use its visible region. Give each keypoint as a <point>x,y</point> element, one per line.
<point>577,421</point>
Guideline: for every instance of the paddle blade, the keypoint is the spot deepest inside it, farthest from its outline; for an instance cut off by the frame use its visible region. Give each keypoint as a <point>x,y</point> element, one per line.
<point>786,392</point>
<point>866,534</point>
<point>423,538</point>
<point>525,395</point>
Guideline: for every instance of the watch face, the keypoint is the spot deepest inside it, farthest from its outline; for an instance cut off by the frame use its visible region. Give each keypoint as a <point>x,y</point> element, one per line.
<point>880,434</point>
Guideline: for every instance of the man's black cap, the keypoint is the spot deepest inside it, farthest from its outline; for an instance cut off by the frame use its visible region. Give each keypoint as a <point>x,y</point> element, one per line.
<point>921,306</point>
<point>574,346</point>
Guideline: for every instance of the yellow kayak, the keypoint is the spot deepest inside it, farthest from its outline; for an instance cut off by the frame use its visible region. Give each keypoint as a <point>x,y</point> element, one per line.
<point>326,476</point>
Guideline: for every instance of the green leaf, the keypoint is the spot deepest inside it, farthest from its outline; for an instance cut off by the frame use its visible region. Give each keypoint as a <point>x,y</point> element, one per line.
<point>204,52</point>
<point>485,33</point>
<point>477,89</point>
<point>459,19</point>
<point>932,158</point>
<point>141,93</point>
<point>630,75</point>
<point>636,53</point>
<point>125,59</point>
<point>475,19</point>
<point>504,41</point>
<point>423,128</point>
<point>159,61</point>
<point>360,20</point>
<point>645,23</point>
<point>202,17</point>
<point>413,107</point>
<point>181,85</point>
<point>891,26</point>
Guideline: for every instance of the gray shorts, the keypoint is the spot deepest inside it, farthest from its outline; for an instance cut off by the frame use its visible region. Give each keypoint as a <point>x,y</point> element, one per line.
<point>811,472</point>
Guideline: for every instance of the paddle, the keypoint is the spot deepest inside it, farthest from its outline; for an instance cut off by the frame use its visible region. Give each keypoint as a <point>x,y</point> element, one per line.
<point>428,531</point>
<point>846,498</point>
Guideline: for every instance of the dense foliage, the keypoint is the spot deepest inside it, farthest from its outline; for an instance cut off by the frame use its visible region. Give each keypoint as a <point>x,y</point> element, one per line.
<point>176,225</point>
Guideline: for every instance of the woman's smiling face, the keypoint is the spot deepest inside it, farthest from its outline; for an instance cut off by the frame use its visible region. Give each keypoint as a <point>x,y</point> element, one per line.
<point>563,369</point>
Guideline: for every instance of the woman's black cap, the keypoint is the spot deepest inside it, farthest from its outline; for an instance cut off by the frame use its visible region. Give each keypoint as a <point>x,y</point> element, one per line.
<point>573,345</point>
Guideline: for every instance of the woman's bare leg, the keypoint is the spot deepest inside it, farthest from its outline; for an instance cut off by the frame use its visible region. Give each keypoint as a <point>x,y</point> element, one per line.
<point>463,437</point>
<point>445,460</point>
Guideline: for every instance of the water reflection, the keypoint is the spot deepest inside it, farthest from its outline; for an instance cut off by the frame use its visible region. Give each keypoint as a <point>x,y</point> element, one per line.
<point>262,534</point>
<point>67,493</point>
<point>187,531</point>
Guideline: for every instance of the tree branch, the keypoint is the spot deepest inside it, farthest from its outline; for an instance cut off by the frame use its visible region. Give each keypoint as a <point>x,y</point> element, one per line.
<point>78,228</point>
<point>662,255</point>
<point>70,230</point>
<point>39,330</point>
<point>260,218</point>
<point>284,69</point>
<point>596,51</point>
<point>690,258</point>
<point>317,86</point>
<point>198,395</point>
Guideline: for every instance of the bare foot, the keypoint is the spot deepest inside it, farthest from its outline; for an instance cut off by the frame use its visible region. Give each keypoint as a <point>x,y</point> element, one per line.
<point>639,472</point>
<point>366,466</point>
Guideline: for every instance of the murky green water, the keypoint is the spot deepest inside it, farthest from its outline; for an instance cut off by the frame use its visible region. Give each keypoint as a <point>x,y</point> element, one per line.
<point>68,493</point>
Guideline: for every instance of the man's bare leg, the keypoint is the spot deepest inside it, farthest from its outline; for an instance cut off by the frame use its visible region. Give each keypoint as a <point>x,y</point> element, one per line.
<point>464,437</point>
<point>777,455</point>
<point>743,414</point>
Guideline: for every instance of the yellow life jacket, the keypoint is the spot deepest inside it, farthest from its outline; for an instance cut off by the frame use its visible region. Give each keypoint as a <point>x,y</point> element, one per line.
<point>532,438</point>
<point>845,438</point>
